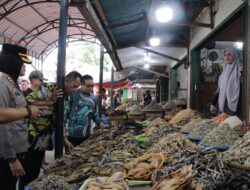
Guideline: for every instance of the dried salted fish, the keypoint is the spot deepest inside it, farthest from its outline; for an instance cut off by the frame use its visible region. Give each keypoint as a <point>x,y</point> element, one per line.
<point>135,110</point>
<point>210,171</point>
<point>191,125</point>
<point>169,105</point>
<point>232,121</point>
<point>153,106</point>
<point>163,132</point>
<point>203,128</point>
<point>239,153</point>
<point>172,146</point>
<point>222,136</point>
<point>243,128</point>
<point>181,115</point>
<point>178,180</point>
<point>51,182</point>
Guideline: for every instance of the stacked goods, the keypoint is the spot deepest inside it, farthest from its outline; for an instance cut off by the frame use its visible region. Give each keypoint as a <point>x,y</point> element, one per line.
<point>243,128</point>
<point>135,110</point>
<point>232,121</point>
<point>191,125</point>
<point>143,167</point>
<point>222,136</point>
<point>203,128</point>
<point>210,171</point>
<point>169,105</point>
<point>154,106</point>
<point>172,146</point>
<point>177,180</point>
<point>239,153</point>
<point>181,115</point>
<point>221,117</point>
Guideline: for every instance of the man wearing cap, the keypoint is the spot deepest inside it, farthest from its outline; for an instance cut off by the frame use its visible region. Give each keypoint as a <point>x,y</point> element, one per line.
<point>13,128</point>
<point>40,128</point>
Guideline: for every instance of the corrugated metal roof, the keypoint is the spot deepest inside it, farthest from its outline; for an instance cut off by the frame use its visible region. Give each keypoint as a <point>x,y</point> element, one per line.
<point>35,24</point>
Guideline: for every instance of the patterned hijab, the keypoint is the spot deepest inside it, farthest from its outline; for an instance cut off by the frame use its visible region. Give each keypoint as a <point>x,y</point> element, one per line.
<point>229,82</point>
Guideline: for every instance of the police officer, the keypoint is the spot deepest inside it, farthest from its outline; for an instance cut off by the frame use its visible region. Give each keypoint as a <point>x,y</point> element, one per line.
<point>13,125</point>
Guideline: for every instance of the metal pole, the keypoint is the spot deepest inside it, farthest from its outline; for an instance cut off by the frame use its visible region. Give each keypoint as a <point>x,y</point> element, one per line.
<point>101,78</point>
<point>60,78</point>
<point>112,89</point>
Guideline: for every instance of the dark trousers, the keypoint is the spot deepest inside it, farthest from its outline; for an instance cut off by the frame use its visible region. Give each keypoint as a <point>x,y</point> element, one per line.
<point>32,165</point>
<point>75,141</point>
<point>7,180</point>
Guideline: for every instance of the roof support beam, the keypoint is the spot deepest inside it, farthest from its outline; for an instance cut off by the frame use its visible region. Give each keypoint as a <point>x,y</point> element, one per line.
<point>161,54</point>
<point>88,12</point>
<point>147,70</point>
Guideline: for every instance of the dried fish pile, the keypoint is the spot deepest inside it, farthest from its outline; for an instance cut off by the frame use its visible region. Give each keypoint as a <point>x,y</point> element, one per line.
<point>243,128</point>
<point>154,125</point>
<point>116,181</point>
<point>163,132</point>
<point>181,115</point>
<point>239,153</point>
<point>51,182</point>
<point>232,121</point>
<point>128,127</point>
<point>169,105</point>
<point>191,125</point>
<point>222,136</point>
<point>210,170</point>
<point>172,146</point>
<point>153,106</point>
<point>135,110</point>
<point>204,127</point>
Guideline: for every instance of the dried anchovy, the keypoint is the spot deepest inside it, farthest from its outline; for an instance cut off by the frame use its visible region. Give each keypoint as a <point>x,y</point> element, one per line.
<point>210,170</point>
<point>191,125</point>
<point>136,110</point>
<point>51,182</point>
<point>172,146</point>
<point>221,136</point>
<point>181,115</point>
<point>153,106</point>
<point>169,105</point>
<point>239,153</point>
<point>203,128</point>
<point>163,132</point>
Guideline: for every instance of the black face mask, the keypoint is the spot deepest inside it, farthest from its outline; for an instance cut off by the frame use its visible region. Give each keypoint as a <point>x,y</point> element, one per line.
<point>11,65</point>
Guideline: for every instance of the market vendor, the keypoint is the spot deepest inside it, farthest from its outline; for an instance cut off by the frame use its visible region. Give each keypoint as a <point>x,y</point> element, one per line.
<point>229,84</point>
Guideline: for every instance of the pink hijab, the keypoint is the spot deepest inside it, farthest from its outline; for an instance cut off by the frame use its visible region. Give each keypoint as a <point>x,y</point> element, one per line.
<point>229,82</point>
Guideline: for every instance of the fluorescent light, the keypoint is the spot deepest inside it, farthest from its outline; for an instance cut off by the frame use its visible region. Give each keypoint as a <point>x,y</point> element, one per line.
<point>154,41</point>
<point>146,66</point>
<point>239,45</point>
<point>164,14</point>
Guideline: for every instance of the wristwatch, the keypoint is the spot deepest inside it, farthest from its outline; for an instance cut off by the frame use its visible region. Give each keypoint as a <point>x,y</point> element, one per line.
<point>12,160</point>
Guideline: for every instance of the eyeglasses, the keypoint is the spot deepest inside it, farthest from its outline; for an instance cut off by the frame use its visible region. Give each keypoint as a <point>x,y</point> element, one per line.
<point>89,85</point>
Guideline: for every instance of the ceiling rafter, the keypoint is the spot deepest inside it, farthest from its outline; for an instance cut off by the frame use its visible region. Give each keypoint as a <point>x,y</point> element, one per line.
<point>54,24</point>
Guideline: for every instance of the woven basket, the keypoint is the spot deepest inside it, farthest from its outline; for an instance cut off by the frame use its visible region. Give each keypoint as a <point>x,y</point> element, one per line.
<point>136,117</point>
<point>117,120</point>
<point>154,113</point>
<point>160,157</point>
<point>239,166</point>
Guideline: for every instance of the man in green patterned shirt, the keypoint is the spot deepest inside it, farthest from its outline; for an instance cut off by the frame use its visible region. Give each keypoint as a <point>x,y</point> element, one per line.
<point>82,107</point>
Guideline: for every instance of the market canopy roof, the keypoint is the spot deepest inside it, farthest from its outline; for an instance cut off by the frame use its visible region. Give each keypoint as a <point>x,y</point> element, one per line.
<point>129,25</point>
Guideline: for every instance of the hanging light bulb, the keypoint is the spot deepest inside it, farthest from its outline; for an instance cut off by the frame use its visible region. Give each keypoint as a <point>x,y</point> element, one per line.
<point>146,66</point>
<point>239,45</point>
<point>154,41</point>
<point>146,57</point>
<point>164,14</point>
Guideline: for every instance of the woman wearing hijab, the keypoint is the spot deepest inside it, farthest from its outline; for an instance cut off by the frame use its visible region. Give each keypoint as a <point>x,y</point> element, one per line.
<point>228,92</point>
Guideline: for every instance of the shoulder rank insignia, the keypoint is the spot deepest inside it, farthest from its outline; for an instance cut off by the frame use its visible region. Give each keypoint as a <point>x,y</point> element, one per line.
<point>9,79</point>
